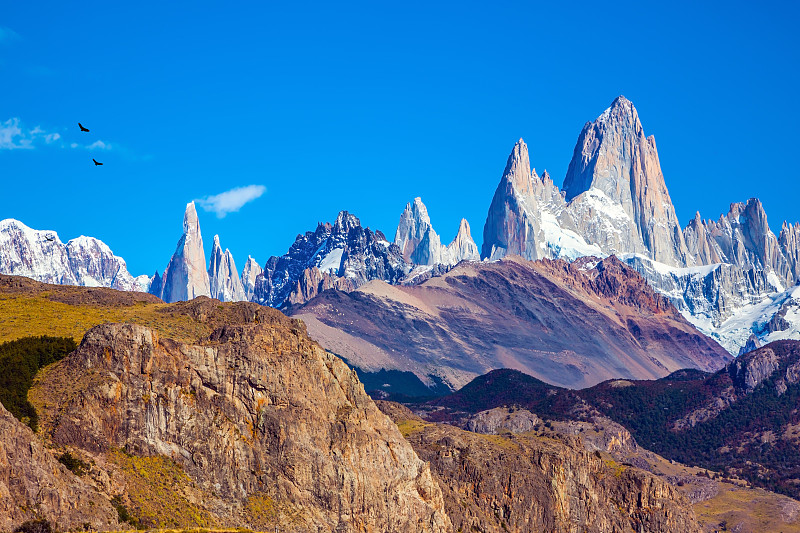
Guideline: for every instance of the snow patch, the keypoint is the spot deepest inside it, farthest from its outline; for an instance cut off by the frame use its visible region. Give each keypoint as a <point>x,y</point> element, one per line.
<point>332,262</point>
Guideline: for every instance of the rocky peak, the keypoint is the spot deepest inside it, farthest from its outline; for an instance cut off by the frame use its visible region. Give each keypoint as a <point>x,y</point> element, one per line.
<point>42,256</point>
<point>616,173</point>
<point>342,250</point>
<point>268,429</point>
<point>250,272</point>
<point>518,168</point>
<point>513,224</point>
<point>224,282</point>
<point>742,237</point>
<point>789,241</point>
<point>463,247</point>
<point>185,276</point>
<point>415,236</point>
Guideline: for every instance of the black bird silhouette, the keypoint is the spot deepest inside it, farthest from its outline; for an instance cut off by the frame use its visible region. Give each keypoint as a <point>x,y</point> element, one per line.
<point>49,238</point>
<point>96,163</point>
<point>81,127</point>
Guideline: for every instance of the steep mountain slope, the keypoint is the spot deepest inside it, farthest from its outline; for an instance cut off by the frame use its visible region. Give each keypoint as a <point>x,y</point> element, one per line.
<point>84,261</point>
<point>571,324</point>
<point>34,485</point>
<point>506,403</point>
<point>530,482</point>
<point>343,255</point>
<point>185,276</point>
<point>254,426</point>
<point>742,420</point>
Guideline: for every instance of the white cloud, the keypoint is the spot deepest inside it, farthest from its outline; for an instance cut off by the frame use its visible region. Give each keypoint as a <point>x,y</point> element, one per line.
<point>99,145</point>
<point>231,201</point>
<point>12,136</point>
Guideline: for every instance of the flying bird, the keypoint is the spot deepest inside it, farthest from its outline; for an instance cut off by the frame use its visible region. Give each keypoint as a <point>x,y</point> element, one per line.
<point>49,238</point>
<point>96,163</point>
<point>81,127</point>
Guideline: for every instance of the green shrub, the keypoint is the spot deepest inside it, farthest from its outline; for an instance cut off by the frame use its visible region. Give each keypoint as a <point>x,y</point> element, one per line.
<point>35,526</point>
<point>122,511</point>
<point>75,465</point>
<point>19,362</point>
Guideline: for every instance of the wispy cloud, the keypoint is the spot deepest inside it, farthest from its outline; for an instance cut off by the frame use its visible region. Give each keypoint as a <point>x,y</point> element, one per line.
<point>13,136</point>
<point>231,201</point>
<point>97,145</point>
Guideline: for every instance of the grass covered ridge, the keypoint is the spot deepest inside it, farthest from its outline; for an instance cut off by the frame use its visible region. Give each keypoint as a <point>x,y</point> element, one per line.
<point>35,315</point>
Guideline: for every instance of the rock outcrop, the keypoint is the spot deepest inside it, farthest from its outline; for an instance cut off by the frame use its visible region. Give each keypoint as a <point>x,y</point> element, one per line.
<point>186,277</point>
<point>344,249</point>
<point>271,430</point>
<point>224,282</point>
<point>34,485</point>
<point>525,483</point>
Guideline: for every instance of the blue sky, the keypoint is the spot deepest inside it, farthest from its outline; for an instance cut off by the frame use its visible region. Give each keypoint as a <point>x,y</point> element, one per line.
<point>363,106</point>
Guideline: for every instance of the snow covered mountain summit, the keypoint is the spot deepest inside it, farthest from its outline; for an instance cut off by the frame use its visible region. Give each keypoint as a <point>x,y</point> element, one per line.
<point>42,256</point>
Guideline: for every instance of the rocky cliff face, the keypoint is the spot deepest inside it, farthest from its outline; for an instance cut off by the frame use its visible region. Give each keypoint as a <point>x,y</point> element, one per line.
<point>421,245</point>
<point>224,282</point>
<point>742,238</point>
<point>463,248</point>
<point>415,236</point>
<point>34,485</point>
<point>250,272</point>
<point>615,163</point>
<point>344,249</point>
<point>42,256</point>
<point>185,276</point>
<point>530,483</point>
<point>515,219</point>
<point>271,430</point>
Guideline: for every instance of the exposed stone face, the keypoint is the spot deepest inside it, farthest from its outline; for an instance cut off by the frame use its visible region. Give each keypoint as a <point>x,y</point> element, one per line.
<point>344,249</point>
<point>752,344</point>
<point>224,282</point>
<point>502,419</point>
<point>513,222</point>
<point>33,485</point>
<point>256,409</point>
<point>613,161</point>
<point>789,240</point>
<point>250,272</point>
<point>421,245</point>
<point>522,483</point>
<point>742,238</point>
<point>186,277</point>
<point>415,236</point>
<point>463,248</point>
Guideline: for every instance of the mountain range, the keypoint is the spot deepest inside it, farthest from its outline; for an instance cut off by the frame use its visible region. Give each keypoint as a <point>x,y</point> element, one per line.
<point>732,278</point>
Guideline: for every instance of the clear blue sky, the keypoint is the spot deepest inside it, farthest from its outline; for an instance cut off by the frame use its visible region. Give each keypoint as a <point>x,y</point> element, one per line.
<point>362,107</point>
